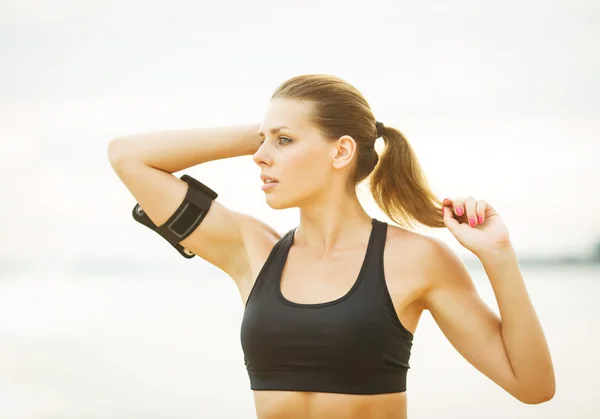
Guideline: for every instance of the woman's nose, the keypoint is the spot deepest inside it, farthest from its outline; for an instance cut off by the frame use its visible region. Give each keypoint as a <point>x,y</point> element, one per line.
<point>260,157</point>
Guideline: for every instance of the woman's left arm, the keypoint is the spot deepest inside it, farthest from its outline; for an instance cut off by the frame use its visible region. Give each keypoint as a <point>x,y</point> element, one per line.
<point>511,350</point>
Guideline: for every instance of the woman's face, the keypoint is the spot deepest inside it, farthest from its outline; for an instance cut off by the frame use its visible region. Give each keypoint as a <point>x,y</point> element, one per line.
<point>295,154</point>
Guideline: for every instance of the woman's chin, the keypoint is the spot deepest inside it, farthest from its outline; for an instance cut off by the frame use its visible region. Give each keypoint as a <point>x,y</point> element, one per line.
<point>275,203</point>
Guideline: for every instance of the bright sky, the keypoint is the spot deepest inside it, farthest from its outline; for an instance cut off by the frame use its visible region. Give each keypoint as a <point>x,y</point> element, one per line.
<point>500,102</point>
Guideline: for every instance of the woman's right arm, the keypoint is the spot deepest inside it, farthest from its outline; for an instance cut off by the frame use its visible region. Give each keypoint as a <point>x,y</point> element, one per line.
<point>145,163</point>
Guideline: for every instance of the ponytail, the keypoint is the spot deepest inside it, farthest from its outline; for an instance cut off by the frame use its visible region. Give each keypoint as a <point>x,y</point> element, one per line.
<point>399,186</point>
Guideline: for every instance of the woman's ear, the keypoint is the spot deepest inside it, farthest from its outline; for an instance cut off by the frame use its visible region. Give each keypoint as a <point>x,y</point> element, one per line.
<point>343,151</point>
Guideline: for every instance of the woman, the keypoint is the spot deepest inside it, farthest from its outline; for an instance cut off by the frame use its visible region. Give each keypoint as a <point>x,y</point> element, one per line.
<point>329,316</point>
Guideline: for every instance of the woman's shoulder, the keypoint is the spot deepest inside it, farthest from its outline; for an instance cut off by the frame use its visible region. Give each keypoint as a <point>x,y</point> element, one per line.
<point>403,240</point>
<point>416,254</point>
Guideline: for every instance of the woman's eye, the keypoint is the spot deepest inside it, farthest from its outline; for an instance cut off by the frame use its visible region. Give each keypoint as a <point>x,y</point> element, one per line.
<point>281,140</point>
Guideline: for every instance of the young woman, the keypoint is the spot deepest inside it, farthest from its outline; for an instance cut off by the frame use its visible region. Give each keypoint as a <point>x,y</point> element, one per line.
<point>331,307</point>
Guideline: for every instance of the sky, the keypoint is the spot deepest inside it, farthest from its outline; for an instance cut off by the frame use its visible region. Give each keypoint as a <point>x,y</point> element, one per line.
<point>500,101</point>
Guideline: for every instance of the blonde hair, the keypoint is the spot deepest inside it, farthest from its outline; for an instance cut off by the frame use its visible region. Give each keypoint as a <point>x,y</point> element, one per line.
<point>397,182</point>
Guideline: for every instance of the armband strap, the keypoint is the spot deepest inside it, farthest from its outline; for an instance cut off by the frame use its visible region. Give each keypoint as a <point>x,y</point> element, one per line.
<point>186,218</point>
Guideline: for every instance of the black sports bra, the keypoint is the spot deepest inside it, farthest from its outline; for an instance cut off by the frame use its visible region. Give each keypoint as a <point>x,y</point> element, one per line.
<point>355,344</point>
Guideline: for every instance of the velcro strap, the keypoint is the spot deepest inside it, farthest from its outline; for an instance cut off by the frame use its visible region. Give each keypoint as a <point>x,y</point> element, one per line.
<point>186,218</point>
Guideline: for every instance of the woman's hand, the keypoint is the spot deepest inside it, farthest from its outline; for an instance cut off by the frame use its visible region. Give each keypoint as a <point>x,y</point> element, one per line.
<point>475,224</point>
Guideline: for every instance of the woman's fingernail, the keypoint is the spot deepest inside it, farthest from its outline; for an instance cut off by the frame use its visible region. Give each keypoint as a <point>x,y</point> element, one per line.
<point>459,211</point>
<point>472,221</point>
<point>480,219</point>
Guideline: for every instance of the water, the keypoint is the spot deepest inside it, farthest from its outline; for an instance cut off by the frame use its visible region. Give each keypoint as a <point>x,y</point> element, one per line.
<point>132,346</point>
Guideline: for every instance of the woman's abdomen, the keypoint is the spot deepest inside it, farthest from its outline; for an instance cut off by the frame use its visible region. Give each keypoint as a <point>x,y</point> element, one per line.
<point>308,405</point>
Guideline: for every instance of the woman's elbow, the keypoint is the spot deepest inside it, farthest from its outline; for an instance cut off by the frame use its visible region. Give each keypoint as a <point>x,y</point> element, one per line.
<point>118,151</point>
<point>537,396</point>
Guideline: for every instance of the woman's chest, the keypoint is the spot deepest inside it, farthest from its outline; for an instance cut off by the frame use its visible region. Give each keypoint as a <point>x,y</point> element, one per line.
<point>306,280</point>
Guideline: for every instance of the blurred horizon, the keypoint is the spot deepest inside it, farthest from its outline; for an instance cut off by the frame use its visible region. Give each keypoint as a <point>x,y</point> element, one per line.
<point>75,207</point>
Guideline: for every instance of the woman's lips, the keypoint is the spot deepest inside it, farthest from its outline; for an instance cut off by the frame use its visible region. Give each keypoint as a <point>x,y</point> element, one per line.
<point>269,185</point>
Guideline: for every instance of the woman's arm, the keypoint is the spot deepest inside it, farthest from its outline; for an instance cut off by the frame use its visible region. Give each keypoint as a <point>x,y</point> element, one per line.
<point>176,150</point>
<point>510,350</point>
<point>145,163</point>
<point>522,333</point>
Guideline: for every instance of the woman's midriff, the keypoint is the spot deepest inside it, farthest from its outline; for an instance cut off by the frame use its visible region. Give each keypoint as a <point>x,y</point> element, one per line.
<point>305,405</point>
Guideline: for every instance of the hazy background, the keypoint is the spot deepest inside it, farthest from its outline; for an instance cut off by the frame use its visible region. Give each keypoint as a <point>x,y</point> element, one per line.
<point>100,317</point>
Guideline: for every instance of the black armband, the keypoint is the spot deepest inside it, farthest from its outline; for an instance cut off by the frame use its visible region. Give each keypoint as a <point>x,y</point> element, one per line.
<point>185,219</point>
